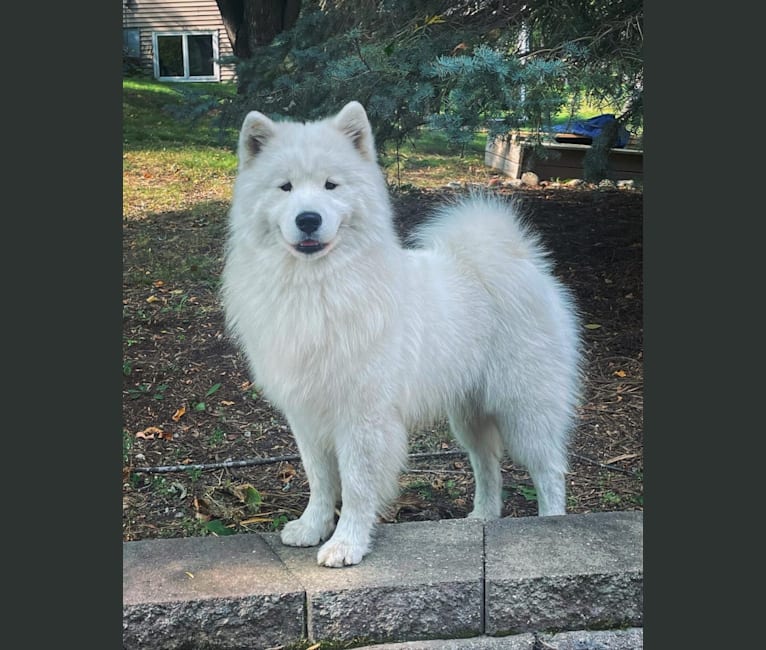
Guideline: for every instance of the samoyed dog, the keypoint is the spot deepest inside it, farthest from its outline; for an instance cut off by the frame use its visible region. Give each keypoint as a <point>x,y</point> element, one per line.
<point>357,338</point>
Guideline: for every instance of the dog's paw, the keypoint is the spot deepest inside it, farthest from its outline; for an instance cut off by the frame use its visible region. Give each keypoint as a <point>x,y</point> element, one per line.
<point>302,533</point>
<point>482,514</point>
<point>338,553</point>
<point>477,515</point>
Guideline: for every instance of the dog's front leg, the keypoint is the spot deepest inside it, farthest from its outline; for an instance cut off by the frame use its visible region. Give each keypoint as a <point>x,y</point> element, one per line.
<point>370,457</point>
<point>320,462</point>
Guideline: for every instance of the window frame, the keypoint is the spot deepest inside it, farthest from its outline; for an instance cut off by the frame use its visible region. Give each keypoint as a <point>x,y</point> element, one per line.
<point>184,34</point>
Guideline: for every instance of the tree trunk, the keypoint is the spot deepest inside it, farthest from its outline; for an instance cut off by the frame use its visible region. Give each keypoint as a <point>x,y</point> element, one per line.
<point>233,14</point>
<point>266,18</point>
<point>251,23</point>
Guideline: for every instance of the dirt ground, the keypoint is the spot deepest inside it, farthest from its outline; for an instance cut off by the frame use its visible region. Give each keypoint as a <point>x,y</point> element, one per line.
<point>205,453</point>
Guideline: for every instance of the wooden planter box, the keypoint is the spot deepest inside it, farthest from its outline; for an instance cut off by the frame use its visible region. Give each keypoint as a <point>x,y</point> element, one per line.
<point>514,156</point>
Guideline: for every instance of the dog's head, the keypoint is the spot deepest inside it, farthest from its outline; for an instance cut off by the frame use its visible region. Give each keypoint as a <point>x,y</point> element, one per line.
<point>304,181</point>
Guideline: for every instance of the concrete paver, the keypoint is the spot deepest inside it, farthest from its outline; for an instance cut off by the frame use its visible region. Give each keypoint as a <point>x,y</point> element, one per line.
<point>421,580</point>
<point>225,592</point>
<point>627,639</point>
<point>518,583</point>
<point>516,642</point>
<point>568,572</point>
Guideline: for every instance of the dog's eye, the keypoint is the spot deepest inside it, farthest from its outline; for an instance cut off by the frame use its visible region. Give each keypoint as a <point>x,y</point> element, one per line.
<point>286,187</point>
<point>329,185</point>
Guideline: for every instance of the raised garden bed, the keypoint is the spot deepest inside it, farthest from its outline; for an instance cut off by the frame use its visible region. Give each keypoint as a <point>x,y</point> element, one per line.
<point>513,156</point>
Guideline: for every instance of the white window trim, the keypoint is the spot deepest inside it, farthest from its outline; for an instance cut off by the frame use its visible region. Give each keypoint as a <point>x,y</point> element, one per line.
<point>216,76</point>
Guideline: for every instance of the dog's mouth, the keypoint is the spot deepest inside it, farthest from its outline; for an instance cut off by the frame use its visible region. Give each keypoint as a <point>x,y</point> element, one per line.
<point>309,246</point>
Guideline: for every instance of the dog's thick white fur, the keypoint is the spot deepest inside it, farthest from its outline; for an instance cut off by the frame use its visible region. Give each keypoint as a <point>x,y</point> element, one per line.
<point>357,338</point>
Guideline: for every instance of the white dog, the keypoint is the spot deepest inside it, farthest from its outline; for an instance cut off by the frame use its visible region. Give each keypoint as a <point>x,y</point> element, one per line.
<point>356,338</point>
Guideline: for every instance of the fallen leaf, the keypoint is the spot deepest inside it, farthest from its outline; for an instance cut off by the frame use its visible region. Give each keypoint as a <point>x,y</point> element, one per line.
<point>181,489</point>
<point>592,326</point>
<point>247,494</point>
<point>620,373</point>
<point>226,402</point>
<point>165,435</point>
<point>218,528</point>
<point>158,283</point>
<point>188,573</point>
<point>152,299</point>
<point>178,414</point>
<point>149,433</point>
<point>287,473</point>
<point>212,389</point>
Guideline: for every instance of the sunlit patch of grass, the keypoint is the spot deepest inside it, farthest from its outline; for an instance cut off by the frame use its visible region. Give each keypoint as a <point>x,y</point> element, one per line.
<point>149,121</point>
<point>161,181</point>
<point>430,160</point>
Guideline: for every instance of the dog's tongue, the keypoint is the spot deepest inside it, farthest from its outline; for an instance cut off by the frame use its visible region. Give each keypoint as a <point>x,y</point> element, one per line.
<point>310,246</point>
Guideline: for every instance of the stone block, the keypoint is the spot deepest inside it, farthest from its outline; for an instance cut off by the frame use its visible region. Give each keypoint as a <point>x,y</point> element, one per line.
<point>207,592</point>
<point>421,580</point>
<point>567,572</point>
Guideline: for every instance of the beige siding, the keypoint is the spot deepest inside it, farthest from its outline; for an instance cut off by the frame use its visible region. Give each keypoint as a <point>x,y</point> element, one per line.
<point>175,15</point>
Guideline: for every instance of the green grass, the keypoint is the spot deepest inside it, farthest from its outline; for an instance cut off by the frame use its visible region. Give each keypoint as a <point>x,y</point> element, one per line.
<point>170,164</point>
<point>431,160</point>
<point>149,121</point>
<point>584,112</point>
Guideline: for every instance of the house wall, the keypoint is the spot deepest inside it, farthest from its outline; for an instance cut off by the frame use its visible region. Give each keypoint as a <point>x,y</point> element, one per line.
<point>171,15</point>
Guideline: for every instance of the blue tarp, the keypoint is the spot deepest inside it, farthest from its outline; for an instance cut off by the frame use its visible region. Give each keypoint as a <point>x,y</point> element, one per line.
<point>592,127</point>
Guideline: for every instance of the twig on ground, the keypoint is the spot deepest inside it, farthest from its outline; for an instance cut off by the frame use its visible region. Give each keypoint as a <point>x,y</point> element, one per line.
<point>612,467</point>
<point>250,462</point>
<point>226,464</point>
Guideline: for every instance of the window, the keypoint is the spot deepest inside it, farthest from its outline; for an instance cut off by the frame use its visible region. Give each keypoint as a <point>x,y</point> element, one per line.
<point>131,45</point>
<point>185,56</point>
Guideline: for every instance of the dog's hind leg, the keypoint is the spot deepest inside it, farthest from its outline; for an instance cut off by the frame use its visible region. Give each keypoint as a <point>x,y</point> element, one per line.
<point>536,439</point>
<point>370,458</point>
<point>480,437</point>
<point>318,519</point>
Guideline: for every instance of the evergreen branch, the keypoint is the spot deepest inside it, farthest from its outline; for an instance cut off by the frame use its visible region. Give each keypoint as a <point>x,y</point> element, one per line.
<point>360,55</point>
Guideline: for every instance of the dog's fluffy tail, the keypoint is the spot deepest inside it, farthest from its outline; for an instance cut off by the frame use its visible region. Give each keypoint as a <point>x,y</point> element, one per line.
<point>482,227</point>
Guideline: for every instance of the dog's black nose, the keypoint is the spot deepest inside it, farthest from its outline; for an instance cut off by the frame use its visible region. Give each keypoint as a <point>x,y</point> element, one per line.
<point>308,222</point>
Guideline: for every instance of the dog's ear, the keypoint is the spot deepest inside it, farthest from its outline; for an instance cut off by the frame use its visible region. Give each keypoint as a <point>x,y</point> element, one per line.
<point>352,121</point>
<point>256,131</point>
